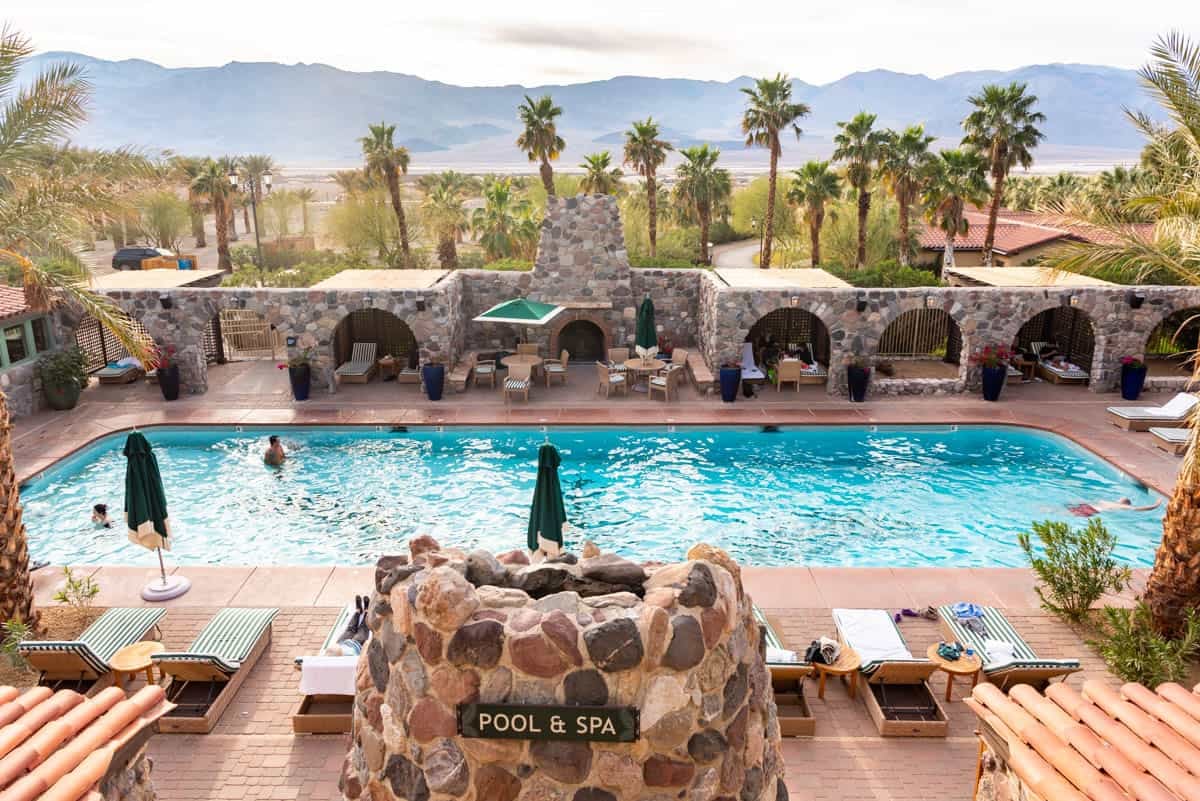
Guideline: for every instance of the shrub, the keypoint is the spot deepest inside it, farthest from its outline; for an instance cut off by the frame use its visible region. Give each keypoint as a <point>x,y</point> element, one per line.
<point>15,631</point>
<point>63,368</point>
<point>507,265</point>
<point>77,592</point>
<point>888,273</point>
<point>1074,566</point>
<point>1136,652</point>
<point>663,263</point>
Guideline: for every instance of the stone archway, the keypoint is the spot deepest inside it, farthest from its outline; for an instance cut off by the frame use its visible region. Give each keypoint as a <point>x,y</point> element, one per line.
<point>1171,343</point>
<point>391,335</point>
<point>582,322</point>
<point>583,339</point>
<point>792,329</point>
<point>922,343</point>
<point>1070,331</point>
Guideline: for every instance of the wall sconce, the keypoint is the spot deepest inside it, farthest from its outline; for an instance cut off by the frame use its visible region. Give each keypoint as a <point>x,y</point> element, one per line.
<point>1134,299</point>
<point>931,302</point>
<point>166,301</point>
<point>795,300</point>
<point>1074,300</point>
<point>420,305</point>
<point>861,304</point>
<point>1067,299</point>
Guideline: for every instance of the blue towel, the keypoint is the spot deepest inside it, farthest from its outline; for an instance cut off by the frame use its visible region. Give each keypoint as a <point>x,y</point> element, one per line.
<point>965,609</point>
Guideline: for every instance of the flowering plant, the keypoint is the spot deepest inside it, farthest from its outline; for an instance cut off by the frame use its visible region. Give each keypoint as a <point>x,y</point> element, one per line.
<point>164,357</point>
<point>302,358</point>
<point>1132,362</point>
<point>992,356</point>
<point>858,360</point>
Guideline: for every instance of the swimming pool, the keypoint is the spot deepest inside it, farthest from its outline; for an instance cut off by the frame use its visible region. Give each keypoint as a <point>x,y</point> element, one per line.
<point>830,495</point>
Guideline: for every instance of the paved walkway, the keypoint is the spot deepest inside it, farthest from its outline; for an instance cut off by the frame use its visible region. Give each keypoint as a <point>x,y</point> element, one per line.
<point>735,254</point>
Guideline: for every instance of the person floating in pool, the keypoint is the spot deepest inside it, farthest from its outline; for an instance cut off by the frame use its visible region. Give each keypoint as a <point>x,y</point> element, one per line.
<point>100,516</point>
<point>274,455</point>
<point>1119,505</point>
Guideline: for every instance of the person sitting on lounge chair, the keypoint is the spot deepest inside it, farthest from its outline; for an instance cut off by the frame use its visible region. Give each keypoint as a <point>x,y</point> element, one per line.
<point>1119,505</point>
<point>274,455</point>
<point>352,639</point>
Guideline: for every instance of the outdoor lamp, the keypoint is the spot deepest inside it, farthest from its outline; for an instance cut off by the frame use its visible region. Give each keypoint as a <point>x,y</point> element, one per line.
<point>930,302</point>
<point>233,176</point>
<point>1135,299</point>
<point>1064,299</point>
<point>165,301</point>
<point>861,304</point>
<point>266,176</point>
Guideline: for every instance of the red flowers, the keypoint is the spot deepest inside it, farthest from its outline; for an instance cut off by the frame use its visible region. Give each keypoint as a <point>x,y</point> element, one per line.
<point>1132,362</point>
<point>992,356</point>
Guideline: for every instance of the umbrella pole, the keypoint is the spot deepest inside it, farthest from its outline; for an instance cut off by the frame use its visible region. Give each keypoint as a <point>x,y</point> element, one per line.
<point>162,568</point>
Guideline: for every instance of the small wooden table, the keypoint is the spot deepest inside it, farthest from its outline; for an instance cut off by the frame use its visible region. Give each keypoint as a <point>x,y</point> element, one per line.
<point>847,665</point>
<point>134,659</point>
<point>963,666</point>
<point>639,367</point>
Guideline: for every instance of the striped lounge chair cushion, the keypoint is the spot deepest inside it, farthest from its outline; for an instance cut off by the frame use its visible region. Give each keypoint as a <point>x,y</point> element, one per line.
<point>1073,373</point>
<point>335,631</point>
<point>114,630</point>
<point>516,384</point>
<point>227,639</point>
<point>874,636</point>
<point>998,628</point>
<point>772,639</point>
<point>485,369</point>
<point>109,371</point>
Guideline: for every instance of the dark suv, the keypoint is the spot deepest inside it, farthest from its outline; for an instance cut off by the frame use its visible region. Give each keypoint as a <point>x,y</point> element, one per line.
<point>131,258</point>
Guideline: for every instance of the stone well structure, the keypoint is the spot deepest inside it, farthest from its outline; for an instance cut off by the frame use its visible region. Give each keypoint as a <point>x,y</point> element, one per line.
<point>676,642</point>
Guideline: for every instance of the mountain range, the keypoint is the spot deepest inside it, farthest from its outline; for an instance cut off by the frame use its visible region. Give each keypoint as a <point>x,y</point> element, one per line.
<point>313,114</point>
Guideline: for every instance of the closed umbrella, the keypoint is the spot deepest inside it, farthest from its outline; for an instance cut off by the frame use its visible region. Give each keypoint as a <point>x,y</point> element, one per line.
<point>146,515</point>
<point>646,336</point>
<point>547,513</point>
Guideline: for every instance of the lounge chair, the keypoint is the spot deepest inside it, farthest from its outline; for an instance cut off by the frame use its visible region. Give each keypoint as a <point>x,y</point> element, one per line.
<point>610,379</point>
<point>82,664</point>
<point>750,370</point>
<point>518,381</point>
<point>206,677</point>
<point>558,368</point>
<point>1172,414</point>
<point>361,366</point>
<point>899,698</point>
<point>327,684</point>
<point>118,373</point>
<point>1065,373</point>
<point>788,671</point>
<point>1171,440</point>
<point>1024,668</point>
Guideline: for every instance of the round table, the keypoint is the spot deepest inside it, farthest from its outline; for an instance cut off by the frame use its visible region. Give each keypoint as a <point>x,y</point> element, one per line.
<point>963,666</point>
<point>847,664</point>
<point>133,659</point>
<point>521,358</point>
<point>639,367</point>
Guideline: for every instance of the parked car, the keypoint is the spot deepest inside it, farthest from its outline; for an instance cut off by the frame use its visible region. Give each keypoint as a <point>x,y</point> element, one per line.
<point>131,258</point>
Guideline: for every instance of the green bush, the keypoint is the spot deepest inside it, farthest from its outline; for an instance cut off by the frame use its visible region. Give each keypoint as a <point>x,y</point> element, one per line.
<point>720,232</point>
<point>15,632</point>
<point>749,205</point>
<point>63,368</point>
<point>1074,566</point>
<point>1133,650</point>
<point>508,265</point>
<point>886,274</point>
<point>663,263</point>
<point>78,592</point>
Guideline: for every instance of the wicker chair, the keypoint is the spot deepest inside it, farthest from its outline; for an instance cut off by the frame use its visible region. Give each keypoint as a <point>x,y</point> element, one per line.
<point>610,380</point>
<point>558,368</point>
<point>518,381</point>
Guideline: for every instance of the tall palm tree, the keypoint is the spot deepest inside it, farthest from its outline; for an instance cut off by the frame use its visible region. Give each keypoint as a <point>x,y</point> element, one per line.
<point>187,168</point>
<point>702,188</point>
<point>350,181</point>
<point>646,152</point>
<point>305,195</point>
<point>813,186</point>
<point>42,212</point>
<point>1003,127</point>
<point>600,177</point>
<point>445,214</point>
<point>386,162</point>
<point>904,166</point>
<point>212,183</point>
<point>859,145</point>
<point>540,139</point>
<point>770,110</point>
<point>230,165</point>
<point>503,225</point>
<point>956,179</point>
<point>252,169</point>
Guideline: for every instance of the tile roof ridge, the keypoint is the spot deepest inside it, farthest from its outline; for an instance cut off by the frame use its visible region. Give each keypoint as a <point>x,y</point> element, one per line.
<point>1173,716</point>
<point>16,734</point>
<point>17,706</point>
<point>1149,729</point>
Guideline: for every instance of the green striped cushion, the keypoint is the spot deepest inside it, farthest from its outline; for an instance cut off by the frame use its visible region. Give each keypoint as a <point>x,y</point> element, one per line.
<point>227,639</point>
<point>773,641</point>
<point>94,662</point>
<point>111,632</point>
<point>336,630</point>
<point>999,628</point>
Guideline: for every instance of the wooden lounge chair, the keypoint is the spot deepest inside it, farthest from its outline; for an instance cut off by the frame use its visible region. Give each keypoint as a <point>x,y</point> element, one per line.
<point>1055,374</point>
<point>1171,440</point>
<point>361,366</point>
<point>610,379</point>
<point>518,381</point>
<point>82,664</point>
<point>558,368</point>
<point>1172,414</point>
<point>325,712</point>
<point>119,374</point>
<point>1025,668</point>
<point>787,682</point>
<point>206,677</point>
<point>898,697</point>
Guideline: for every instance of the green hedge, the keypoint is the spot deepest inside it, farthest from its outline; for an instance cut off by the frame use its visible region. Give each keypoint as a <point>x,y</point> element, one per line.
<point>662,263</point>
<point>506,265</point>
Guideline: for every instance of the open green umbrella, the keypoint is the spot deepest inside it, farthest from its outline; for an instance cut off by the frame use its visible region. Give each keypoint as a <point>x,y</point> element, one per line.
<point>646,336</point>
<point>520,311</point>
<point>547,513</point>
<point>146,514</point>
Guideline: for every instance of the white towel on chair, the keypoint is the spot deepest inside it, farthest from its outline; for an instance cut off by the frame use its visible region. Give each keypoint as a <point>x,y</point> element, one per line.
<point>328,675</point>
<point>872,634</point>
<point>1000,651</point>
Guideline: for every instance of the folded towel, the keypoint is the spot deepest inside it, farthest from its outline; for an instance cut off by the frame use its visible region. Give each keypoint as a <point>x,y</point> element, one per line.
<point>830,650</point>
<point>949,651</point>
<point>966,609</point>
<point>778,655</point>
<point>1000,650</point>
<point>328,675</point>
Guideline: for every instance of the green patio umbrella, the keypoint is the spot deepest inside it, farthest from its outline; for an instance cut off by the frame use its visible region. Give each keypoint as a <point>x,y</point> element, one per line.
<point>146,514</point>
<point>520,311</point>
<point>646,336</point>
<point>547,513</point>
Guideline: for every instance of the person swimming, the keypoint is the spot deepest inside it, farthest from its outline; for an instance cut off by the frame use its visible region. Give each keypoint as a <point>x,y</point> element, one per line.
<point>274,454</point>
<point>1119,505</point>
<point>100,516</point>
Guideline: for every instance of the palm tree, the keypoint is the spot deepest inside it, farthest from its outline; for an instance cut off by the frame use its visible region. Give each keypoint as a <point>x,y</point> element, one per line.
<point>1003,127</point>
<point>540,139</point>
<point>212,183</point>
<point>955,180</point>
<point>646,153</point>
<point>444,212</point>
<point>1059,190</point>
<point>904,166</point>
<point>187,168</point>
<point>600,177</point>
<point>230,166</point>
<point>41,213</point>
<point>252,169</point>
<point>769,110</point>
<point>350,181</point>
<point>702,188</point>
<point>501,225</point>
<point>386,162</point>
<point>813,186</point>
<point>1024,192</point>
<point>859,145</point>
<point>305,195</point>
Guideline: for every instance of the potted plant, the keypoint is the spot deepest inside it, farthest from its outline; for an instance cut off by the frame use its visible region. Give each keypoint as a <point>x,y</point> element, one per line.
<point>433,375</point>
<point>993,364</point>
<point>299,367</point>
<point>64,375</point>
<point>858,374</point>
<point>730,377</point>
<point>168,372</point>
<point>1133,377</point>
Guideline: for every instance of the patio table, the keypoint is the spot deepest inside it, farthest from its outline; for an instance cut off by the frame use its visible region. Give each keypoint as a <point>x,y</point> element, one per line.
<point>643,367</point>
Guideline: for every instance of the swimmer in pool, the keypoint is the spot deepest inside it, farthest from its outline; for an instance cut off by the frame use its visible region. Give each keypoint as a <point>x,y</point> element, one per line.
<point>100,516</point>
<point>1119,505</point>
<point>274,455</point>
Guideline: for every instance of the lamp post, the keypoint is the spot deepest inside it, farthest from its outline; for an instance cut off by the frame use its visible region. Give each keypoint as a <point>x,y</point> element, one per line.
<point>248,185</point>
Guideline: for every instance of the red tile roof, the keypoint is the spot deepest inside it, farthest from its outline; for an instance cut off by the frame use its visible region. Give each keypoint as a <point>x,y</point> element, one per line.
<point>56,746</point>
<point>1017,231</point>
<point>12,302</point>
<point>1099,745</point>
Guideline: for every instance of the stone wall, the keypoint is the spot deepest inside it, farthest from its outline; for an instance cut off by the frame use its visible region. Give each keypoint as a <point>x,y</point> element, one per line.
<point>678,642</point>
<point>130,780</point>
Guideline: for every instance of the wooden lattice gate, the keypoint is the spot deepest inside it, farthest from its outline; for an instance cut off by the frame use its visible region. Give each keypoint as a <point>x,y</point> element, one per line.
<point>246,334</point>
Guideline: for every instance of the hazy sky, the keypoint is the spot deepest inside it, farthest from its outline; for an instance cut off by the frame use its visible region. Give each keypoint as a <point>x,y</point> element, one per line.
<point>489,42</point>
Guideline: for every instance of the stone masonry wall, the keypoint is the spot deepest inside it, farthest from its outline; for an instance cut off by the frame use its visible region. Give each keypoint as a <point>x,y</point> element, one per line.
<point>679,642</point>
<point>131,782</point>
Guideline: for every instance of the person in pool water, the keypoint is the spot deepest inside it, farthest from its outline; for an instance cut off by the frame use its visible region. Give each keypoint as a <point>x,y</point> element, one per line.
<point>100,516</point>
<point>274,455</point>
<point>1119,505</point>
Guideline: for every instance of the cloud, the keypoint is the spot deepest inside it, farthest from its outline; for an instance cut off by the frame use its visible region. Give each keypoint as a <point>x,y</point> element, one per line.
<point>583,39</point>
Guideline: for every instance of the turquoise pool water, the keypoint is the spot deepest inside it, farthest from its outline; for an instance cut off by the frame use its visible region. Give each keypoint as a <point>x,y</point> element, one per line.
<point>910,496</point>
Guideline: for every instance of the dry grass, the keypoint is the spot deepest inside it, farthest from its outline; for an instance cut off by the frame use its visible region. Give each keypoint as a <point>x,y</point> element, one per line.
<point>58,623</point>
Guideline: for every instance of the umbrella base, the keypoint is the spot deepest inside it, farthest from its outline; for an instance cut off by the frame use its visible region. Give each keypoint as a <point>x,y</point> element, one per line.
<point>164,589</point>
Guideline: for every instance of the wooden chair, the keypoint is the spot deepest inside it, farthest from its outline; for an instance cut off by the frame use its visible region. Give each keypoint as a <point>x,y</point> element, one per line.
<point>666,382</point>
<point>558,368</point>
<point>788,371</point>
<point>617,358</point>
<point>485,371</point>
<point>518,381</point>
<point>529,348</point>
<point>610,380</point>
<point>679,357</point>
